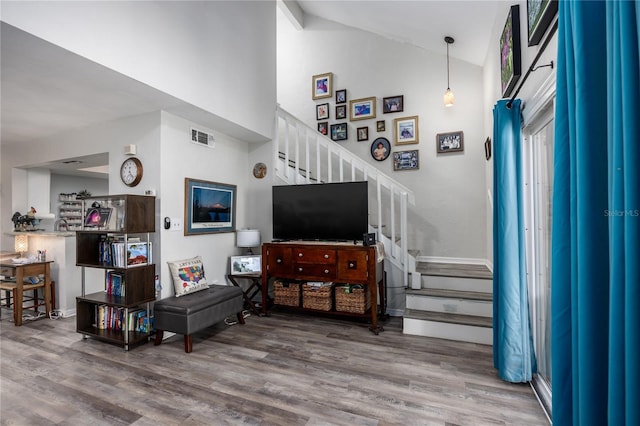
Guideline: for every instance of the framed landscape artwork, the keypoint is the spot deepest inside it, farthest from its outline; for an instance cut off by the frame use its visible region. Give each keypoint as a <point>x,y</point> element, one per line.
<point>209,207</point>
<point>540,14</point>
<point>510,62</point>
<point>322,86</point>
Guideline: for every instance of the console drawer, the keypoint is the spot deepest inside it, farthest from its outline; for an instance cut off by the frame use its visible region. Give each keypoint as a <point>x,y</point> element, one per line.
<point>313,271</point>
<point>313,255</point>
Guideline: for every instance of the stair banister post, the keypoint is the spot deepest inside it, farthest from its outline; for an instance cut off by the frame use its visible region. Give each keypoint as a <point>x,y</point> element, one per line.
<point>379,200</point>
<point>404,250</point>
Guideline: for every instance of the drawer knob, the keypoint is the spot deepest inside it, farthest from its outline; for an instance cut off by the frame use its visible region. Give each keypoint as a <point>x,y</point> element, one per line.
<point>326,256</point>
<point>278,260</point>
<point>299,269</point>
<point>299,254</point>
<point>326,271</point>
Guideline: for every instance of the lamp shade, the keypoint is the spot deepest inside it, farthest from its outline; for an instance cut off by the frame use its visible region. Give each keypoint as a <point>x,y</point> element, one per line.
<point>21,244</point>
<point>448,98</point>
<point>247,238</point>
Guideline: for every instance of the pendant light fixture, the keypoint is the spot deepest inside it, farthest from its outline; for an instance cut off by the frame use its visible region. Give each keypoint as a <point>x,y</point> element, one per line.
<point>448,95</point>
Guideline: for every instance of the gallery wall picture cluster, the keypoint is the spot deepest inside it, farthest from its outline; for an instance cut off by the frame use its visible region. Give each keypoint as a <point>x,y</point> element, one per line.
<point>405,129</point>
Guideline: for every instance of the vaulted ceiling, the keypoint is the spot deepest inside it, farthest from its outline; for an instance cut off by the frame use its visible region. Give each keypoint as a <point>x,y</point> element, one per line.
<point>45,89</point>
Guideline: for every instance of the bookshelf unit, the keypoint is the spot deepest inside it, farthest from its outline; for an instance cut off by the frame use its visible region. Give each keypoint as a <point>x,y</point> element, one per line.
<point>121,219</point>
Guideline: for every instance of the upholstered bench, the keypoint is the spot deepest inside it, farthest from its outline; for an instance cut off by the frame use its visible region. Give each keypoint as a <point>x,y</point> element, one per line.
<point>196,311</point>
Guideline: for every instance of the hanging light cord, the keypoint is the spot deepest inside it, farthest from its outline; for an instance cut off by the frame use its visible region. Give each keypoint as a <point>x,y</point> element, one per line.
<point>448,86</point>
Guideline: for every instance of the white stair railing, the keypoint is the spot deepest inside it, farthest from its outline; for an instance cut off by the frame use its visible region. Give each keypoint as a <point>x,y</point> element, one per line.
<point>302,155</point>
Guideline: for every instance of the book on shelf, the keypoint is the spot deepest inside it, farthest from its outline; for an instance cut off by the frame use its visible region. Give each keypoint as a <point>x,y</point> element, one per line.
<point>115,283</point>
<point>138,253</point>
<point>112,252</point>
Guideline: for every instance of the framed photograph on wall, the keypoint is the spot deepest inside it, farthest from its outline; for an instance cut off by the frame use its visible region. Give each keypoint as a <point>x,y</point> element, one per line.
<point>393,104</point>
<point>209,207</point>
<point>363,134</point>
<point>341,112</point>
<point>322,86</point>
<point>322,112</point>
<point>406,160</point>
<point>362,109</point>
<point>380,127</point>
<point>380,149</point>
<point>487,148</point>
<point>449,142</point>
<point>510,62</point>
<point>339,132</point>
<point>341,96</point>
<point>540,14</point>
<point>323,127</point>
<point>406,129</point>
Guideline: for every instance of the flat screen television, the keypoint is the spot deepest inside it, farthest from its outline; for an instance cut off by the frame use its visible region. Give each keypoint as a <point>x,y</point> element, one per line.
<point>324,211</point>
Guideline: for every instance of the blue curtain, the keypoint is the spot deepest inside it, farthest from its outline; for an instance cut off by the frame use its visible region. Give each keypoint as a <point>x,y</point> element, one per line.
<point>513,354</point>
<point>596,216</point>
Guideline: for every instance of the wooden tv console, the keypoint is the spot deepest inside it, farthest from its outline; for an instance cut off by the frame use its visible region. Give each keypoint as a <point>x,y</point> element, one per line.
<point>328,262</point>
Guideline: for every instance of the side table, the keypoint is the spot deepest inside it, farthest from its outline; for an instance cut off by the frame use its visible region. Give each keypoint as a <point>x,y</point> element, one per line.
<point>253,289</point>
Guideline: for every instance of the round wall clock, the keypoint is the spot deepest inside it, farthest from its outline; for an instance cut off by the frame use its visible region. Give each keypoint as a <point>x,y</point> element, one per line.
<point>131,171</point>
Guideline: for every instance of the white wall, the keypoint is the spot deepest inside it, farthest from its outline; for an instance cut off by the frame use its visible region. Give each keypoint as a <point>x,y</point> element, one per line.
<point>229,163</point>
<point>449,216</point>
<point>217,55</point>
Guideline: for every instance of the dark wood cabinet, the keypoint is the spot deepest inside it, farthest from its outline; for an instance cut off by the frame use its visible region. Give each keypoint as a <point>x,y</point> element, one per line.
<point>127,220</point>
<point>339,263</point>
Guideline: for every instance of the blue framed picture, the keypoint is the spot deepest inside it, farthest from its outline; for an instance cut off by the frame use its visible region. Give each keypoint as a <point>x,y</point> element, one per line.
<point>210,207</point>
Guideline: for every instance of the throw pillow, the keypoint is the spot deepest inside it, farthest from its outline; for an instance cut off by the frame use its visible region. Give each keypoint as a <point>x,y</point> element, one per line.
<point>188,276</point>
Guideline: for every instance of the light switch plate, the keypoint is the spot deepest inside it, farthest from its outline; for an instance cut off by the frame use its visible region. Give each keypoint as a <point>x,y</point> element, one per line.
<point>176,224</point>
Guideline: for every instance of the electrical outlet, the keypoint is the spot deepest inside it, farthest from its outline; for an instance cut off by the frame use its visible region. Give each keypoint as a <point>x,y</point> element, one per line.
<point>176,224</point>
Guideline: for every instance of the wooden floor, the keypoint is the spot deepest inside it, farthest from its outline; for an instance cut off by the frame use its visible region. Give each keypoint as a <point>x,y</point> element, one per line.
<point>284,369</point>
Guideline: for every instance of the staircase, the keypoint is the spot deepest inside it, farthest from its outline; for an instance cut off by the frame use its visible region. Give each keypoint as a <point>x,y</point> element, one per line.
<point>444,300</point>
<point>304,156</point>
<point>454,302</point>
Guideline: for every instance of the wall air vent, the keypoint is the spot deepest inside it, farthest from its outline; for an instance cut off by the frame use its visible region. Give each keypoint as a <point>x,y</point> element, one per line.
<point>202,138</point>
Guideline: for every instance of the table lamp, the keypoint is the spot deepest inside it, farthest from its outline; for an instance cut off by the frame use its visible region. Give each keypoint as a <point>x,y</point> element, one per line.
<point>248,238</point>
<point>21,244</point>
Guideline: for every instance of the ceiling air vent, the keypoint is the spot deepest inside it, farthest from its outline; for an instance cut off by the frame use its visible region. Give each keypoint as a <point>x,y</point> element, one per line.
<point>202,138</point>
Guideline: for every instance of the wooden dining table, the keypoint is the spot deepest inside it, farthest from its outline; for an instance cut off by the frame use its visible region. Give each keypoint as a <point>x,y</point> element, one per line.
<point>13,279</point>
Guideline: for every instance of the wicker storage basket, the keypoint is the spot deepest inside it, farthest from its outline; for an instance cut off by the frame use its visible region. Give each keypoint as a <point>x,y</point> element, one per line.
<point>286,293</point>
<point>317,297</point>
<point>352,298</point>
